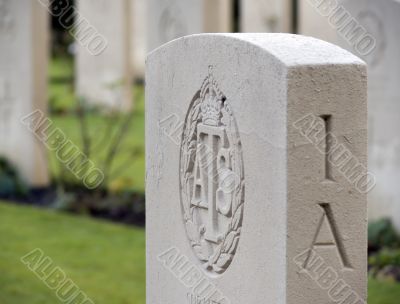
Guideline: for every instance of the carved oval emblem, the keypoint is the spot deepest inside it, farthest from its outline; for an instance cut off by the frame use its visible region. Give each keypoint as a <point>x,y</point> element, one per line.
<point>212,178</point>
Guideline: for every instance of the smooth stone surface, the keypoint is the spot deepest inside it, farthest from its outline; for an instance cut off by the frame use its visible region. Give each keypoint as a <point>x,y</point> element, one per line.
<point>268,16</point>
<point>24,42</point>
<point>105,79</point>
<point>224,105</point>
<point>381,20</point>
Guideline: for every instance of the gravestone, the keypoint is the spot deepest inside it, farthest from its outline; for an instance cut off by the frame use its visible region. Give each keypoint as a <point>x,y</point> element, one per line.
<point>138,38</point>
<point>217,16</point>
<point>104,74</point>
<point>314,19</point>
<point>171,19</point>
<point>380,19</point>
<point>23,85</point>
<point>269,16</point>
<point>248,195</point>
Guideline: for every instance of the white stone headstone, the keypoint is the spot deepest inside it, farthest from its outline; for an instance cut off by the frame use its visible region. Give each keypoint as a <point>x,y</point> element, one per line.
<point>104,74</point>
<point>381,20</point>
<point>246,198</point>
<point>171,19</point>
<point>23,85</point>
<point>268,16</point>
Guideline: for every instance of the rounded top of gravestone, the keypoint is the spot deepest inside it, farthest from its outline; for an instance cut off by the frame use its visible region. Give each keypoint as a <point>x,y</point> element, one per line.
<point>289,49</point>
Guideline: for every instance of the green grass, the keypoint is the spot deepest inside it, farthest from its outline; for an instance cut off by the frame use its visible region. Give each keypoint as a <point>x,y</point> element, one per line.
<point>383,292</point>
<point>61,68</point>
<point>105,260</point>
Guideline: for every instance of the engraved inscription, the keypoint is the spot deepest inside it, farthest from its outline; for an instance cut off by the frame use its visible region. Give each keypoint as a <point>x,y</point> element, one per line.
<point>327,235</point>
<point>194,299</point>
<point>212,178</point>
<point>328,145</point>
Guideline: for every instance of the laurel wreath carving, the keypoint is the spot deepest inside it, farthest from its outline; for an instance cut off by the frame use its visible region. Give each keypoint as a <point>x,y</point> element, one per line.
<point>225,250</point>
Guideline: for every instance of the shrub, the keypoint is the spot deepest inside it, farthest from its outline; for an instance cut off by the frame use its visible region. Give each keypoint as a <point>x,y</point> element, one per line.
<point>382,234</point>
<point>385,257</point>
<point>11,185</point>
<point>385,265</point>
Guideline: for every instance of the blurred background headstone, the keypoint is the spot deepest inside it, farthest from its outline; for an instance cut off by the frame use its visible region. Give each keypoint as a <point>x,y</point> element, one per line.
<point>381,20</point>
<point>23,85</point>
<point>104,75</point>
<point>312,22</point>
<point>138,38</point>
<point>268,16</point>
<point>171,19</point>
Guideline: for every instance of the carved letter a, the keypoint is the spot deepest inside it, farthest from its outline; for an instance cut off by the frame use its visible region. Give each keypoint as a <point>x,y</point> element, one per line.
<point>327,235</point>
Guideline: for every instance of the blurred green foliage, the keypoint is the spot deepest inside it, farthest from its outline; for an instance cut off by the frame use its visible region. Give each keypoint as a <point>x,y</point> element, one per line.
<point>128,167</point>
<point>385,257</point>
<point>384,251</point>
<point>382,234</point>
<point>61,88</point>
<point>11,184</point>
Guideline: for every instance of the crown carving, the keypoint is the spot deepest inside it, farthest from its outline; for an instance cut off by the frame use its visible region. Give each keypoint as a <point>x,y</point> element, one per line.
<point>212,101</point>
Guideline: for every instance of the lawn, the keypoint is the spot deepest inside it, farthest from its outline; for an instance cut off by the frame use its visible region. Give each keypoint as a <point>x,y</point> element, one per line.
<point>383,292</point>
<point>61,86</point>
<point>105,260</point>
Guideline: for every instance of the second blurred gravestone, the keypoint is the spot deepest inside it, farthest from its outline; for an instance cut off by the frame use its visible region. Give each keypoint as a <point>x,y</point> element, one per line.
<point>24,34</point>
<point>268,16</point>
<point>314,19</point>
<point>138,38</point>
<point>104,73</point>
<point>171,19</point>
<point>381,20</point>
